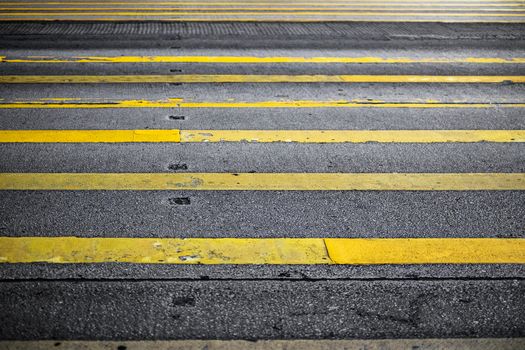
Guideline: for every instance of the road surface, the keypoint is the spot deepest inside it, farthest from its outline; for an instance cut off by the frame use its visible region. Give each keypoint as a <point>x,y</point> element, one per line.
<point>262,172</point>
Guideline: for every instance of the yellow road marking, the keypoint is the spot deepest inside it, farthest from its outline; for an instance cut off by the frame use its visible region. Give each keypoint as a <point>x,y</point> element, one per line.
<point>269,13</point>
<point>305,136</point>
<point>264,181</point>
<point>253,59</point>
<point>426,250</point>
<point>232,78</point>
<point>90,136</point>
<point>180,103</point>
<point>274,8</point>
<point>163,250</point>
<point>355,136</point>
<point>250,20</point>
<point>277,3</point>
<point>272,251</point>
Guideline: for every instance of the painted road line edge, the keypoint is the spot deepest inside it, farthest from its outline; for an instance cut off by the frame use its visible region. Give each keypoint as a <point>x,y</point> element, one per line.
<point>352,136</point>
<point>261,136</point>
<point>57,103</point>
<point>307,251</point>
<point>268,14</point>
<point>264,181</point>
<point>255,59</point>
<point>255,20</point>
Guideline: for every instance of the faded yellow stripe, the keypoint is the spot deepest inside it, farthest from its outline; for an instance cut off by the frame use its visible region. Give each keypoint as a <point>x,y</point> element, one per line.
<point>89,136</point>
<point>268,13</point>
<point>232,78</point>
<point>273,251</point>
<point>180,103</point>
<point>231,3</point>
<point>356,136</point>
<point>379,3</point>
<point>249,20</point>
<point>265,181</point>
<point>162,250</point>
<point>253,59</point>
<point>306,136</point>
<point>243,8</point>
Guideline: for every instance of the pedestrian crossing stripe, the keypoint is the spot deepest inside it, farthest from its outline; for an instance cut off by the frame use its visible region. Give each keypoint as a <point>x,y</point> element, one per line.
<point>258,136</point>
<point>264,181</point>
<point>248,78</point>
<point>242,251</point>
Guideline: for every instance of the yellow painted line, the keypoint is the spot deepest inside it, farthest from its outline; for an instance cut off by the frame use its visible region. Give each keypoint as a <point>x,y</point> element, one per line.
<point>270,5</point>
<point>163,250</point>
<point>180,103</point>
<point>257,20</point>
<point>272,13</point>
<point>254,59</point>
<point>277,3</point>
<point>426,251</point>
<point>304,136</point>
<point>369,7</point>
<point>232,78</point>
<point>354,136</point>
<point>274,8</point>
<point>262,251</point>
<point>264,181</point>
<point>89,136</point>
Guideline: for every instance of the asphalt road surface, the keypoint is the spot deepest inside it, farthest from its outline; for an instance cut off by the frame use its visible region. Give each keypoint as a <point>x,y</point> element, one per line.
<point>262,173</point>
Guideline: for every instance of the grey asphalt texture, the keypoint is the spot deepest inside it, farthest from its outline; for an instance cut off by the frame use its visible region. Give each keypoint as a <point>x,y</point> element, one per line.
<point>137,301</point>
<point>263,309</point>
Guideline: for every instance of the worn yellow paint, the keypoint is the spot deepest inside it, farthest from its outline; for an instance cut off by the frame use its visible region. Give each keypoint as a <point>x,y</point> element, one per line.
<point>181,103</point>
<point>306,136</point>
<point>266,2</point>
<point>234,4</point>
<point>272,251</point>
<point>265,181</point>
<point>163,250</point>
<point>244,8</point>
<point>89,136</point>
<point>356,136</point>
<point>426,251</point>
<point>249,20</point>
<point>238,78</point>
<point>253,59</point>
<point>267,13</point>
